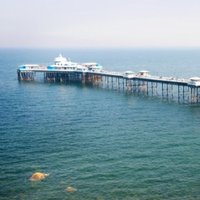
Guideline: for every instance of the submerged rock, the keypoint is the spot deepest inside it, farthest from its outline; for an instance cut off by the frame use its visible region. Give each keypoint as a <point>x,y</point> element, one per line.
<point>38,176</point>
<point>71,189</point>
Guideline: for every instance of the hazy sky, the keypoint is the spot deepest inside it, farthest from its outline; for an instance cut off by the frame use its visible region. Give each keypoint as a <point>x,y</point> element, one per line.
<point>99,23</point>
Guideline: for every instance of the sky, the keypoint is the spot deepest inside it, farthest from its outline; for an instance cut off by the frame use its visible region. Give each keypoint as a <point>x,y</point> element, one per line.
<point>99,23</point>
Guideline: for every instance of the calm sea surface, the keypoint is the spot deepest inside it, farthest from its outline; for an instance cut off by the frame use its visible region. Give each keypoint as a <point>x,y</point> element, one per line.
<point>106,144</point>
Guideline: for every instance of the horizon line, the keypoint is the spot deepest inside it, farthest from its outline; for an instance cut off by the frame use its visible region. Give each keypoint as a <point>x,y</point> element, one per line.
<point>103,48</point>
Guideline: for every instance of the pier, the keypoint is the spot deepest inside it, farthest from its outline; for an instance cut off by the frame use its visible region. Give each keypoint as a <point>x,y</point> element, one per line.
<point>141,83</point>
<point>180,90</point>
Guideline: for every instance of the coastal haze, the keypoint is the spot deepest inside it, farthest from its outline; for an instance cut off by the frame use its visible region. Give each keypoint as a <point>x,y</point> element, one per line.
<point>99,24</point>
<point>94,142</point>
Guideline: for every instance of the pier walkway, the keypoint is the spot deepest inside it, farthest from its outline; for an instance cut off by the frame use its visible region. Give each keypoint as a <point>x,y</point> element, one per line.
<point>170,88</point>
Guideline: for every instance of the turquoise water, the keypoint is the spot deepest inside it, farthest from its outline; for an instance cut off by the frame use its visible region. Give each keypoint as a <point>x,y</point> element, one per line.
<point>106,144</point>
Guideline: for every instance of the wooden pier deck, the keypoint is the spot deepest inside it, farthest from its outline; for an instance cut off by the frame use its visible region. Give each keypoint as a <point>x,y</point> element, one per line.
<point>172,89</point>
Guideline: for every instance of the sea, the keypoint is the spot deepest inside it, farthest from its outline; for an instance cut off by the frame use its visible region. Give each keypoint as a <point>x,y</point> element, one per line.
<point>107,144</point>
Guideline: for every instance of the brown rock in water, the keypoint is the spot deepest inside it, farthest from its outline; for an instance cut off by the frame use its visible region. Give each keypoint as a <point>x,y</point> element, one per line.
<point>38,176</point>
<point>71,189</point>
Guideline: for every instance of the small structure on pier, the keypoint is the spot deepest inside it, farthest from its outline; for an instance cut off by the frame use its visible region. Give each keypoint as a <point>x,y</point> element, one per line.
<point>194,81</point>
<point>28,67</point>
<point>62,63</point>
<point>129,74</point>
<point>92,66</point>
<point>144,73</point>
<point>60,60</point>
